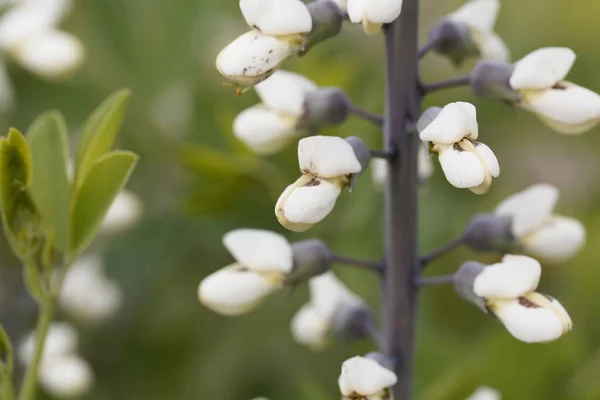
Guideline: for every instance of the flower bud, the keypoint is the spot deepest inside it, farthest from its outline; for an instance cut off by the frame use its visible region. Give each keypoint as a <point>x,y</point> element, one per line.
<point>365,378</point>
<point>490,80</point>
<point>363,155</point>
<point>323,107</point>
<point>327,19</point>
<point>352,320</point>
<point>489,232</point>
<point>311,258</point>
<point>454,40</point>
<point>464,280</point>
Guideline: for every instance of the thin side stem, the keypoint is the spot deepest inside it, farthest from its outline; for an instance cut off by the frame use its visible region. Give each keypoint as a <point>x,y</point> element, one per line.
<point>436,280</point>
<point>6,373</point>
<point>449,84</point>
<point>448,247</point>
<point>403,105</point>
<point>386,155</point>
<point>373,266</point>
<point>375,335</point>
<point>427,47</point>
<point>366,115</point>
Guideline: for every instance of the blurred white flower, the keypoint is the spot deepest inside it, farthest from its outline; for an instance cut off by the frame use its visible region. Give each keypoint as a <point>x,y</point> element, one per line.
<point>564,106</point>
<point>61,339</point>
<point>124,213</point>
<point>379,168</point>
<point>326,163</point>
<point>479,16</point>
<point>311,325</point>
<point>508,289</point>
<point>540,232</point>
<point>263,259</point>
<point>364,378</point>
<point>87,294</point>
<point>278,30</point>
<point>268,127</point>
<point>466,163</point>
<point>485,393</point>
<point>373,13</point>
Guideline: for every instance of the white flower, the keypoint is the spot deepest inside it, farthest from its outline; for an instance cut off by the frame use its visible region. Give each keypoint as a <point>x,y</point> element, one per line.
<point>311,325</point>
<point>508,289</point>
<point>538,231</point>
<point>263,259</point>
<point>379,168</point>
<point>363,378</point>
<point>61,339</point>
<point>466,163</point>
<point>124,213</point>
<point>373,13</point>
<point>564,106</point>
<point>268,127</point>
<point>279,28</point>
<point>485,393</point>
<point>480,17</point>
<point>326,163</point>
<point>87,294</point>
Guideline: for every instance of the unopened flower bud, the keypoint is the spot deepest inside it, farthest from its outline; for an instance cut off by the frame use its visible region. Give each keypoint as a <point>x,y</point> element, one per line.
<point>352,320</point>
<point>490,80</point>
<point>311,258</point>
<point>454,40</point>
<point>489,232</point>
<point>323,107</point>
<point>363,155</point>
<point>427,117</point>
<point>327,18</point>
<point>464,280</point>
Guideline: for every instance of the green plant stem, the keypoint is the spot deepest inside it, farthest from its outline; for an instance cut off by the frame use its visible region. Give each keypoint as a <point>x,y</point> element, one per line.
<point>6,373</point>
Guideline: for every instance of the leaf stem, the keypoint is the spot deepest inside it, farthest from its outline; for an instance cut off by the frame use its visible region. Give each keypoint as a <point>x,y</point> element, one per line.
<point>448,84</point>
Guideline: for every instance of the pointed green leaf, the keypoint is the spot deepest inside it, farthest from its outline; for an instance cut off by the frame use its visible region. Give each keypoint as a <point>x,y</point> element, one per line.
<point>100,131</point>
<point>49,187</point>
<point>19,216</point>
<point>99,187</point>
<point>33,282</point>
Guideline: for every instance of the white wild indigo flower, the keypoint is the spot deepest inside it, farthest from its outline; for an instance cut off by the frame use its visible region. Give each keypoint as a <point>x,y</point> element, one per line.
<point>327,162</point>
<point>87,294</point>
<point>479,16</point>
<point>263,259</point>
<point>278,30</point>
<point>312,324</point>
<point>379,168</point>
<point>365,379</point>
<point>123,214</point>
<point>268,127</point>
<point>373,13</point>
<point>62,373</point>
<point>508,289</point>
<point>466,163</point>
<point>485,393</point>
<point>564,106</point>
<point>538,231</point>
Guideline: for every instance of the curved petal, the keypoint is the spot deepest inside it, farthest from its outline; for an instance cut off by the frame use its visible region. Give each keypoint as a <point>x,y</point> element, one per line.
<point>379,172</point>
<point>513,277</point>
<point>355,10</point>
<point>488,158</point>
<point>124,212</point>
<point>311,202</point>
<point>364,377</point>
<point>264,131</point>
<point>425,165</point>
<point>253,57</point>
<point>310,328</point>
<point>567,129</point>
<point>455,122</point>
<point>259,250</point>
<point>382,11</point>
<point>235,290</point>
<point>491,46</point>
<point>485,393</point>
<point>66,377</point>
<point>327,157</point>
<point>529,207</point>
<point>284,92</point>
<point>279,210</point>
<point>557,239</point>
<point>327,293</point>
<point>478,14</point>
<point>463,169</point>
<point>542,68</point>
<point>277,17</point>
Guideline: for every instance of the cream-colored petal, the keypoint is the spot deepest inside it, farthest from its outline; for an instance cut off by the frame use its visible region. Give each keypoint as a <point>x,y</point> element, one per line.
<point>66,376</point>
<point>260,250</point>
<point>365,377</point>
<point>61,339</point>
<point>455,122</point>
<point>284,92</point>
<point>478,14</point>
<point>514,276</point>
<point>277,17</point>
<point>279,207</point>
<point>312,201</point>
<point>463,169</point>
<point>382,11</point>
<point>327,156</point>
<point>310,328</point>
<point>328,293</point>
<point>487,156</point>
<point>557,239</point>
<point>491,46</point>
<point>542,68</point>
<point>264,131</point>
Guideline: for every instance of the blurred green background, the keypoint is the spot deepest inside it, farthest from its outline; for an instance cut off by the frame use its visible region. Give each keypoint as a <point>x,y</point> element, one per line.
<point>197,183</point>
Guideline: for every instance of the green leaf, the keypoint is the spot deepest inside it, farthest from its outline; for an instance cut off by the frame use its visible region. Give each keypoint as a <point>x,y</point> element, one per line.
<point>19,216</point>
<point>33,281</point>
<point>99,187</point>
<point>49,187</point>
<point>100,131</point>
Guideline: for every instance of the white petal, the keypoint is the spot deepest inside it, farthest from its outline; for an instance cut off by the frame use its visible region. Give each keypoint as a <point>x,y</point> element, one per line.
<point>61,339</point>
<point>264,131</point>
<point>284,92</point>
<point>379,172</point>
<point>52,54</point>
<point>310,328</point>
<point>259,250</point>
<point>365,377</point>
<point>277,17</point>
<point>478,14</point>
<point>513,277</point>
<point>234,290</point>
<point>280,213</point>
<point>533,318</point>
<point>123,214</point>
<point>491,47</point>
<point>542,68</point>
<point>462,169</point>
<point>310,203</point>
<point>355,10</point>
<point>253,57</point>
<point>568,129</point>
<point>381,11</point>
<point>456,121</point>
<point>485,393</point>
<point>425,165</point>
<point>557,239</point>
<point>529,207</point>
<point>327,156</point>
<point>566,103</point>
<point>488,158</point>
<point>66,376</point>
<point>7,95</point>
<point>328,293</point>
